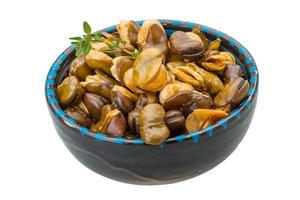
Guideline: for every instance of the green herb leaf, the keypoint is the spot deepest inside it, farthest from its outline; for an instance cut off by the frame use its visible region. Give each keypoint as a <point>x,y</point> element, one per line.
<point>98,37</point>
<point>75,38</point>
<point>114,46</point>
<point>86,47</point>
<point>135,54</point>
<point>86,27</point>
<point>85,37</point>
<point>78,51</point>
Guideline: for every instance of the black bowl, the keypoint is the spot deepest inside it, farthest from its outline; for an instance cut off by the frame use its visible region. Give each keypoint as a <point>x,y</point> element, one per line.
<point>180,157</point>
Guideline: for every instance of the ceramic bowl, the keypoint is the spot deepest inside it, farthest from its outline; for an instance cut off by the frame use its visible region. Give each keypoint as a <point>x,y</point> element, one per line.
<point>179,158</point>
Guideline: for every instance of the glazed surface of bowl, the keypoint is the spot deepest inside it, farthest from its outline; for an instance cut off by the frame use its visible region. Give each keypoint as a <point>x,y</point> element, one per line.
<point>179,158</point>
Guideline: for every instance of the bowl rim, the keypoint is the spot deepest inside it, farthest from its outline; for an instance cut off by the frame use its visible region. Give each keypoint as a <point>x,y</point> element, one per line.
<point>244,57</point>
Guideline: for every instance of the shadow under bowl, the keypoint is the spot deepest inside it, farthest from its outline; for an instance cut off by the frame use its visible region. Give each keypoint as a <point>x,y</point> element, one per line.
<point>179,158</point>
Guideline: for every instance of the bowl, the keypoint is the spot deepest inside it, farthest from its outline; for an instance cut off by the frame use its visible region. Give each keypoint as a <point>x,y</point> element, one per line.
<point>178,158</point>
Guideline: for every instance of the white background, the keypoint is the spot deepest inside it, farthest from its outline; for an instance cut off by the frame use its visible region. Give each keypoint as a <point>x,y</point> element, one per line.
<point>34,163</point>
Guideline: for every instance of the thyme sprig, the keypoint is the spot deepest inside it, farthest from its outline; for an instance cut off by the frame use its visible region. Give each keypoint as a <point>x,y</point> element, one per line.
<point>83,43</point>
<point>114,46</point>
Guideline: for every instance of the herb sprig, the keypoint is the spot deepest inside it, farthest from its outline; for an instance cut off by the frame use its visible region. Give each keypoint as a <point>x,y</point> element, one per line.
<point>115,45</point>
<point>120,45</point>
<point>83,43</point>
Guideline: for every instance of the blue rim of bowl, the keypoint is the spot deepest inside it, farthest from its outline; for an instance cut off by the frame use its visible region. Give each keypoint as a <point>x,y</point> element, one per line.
<point>243,58</point>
